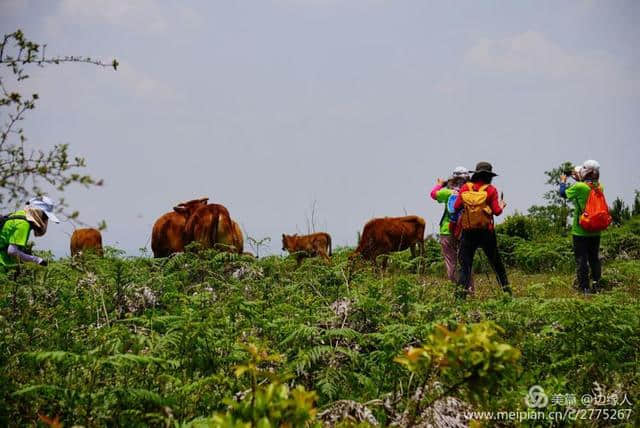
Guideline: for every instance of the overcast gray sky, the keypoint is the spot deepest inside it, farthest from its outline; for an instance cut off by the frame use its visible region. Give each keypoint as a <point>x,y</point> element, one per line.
<point>268,105</point>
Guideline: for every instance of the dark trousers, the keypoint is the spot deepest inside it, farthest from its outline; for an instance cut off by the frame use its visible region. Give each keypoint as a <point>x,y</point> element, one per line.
<point>585,249</point>
<point>470,241</point>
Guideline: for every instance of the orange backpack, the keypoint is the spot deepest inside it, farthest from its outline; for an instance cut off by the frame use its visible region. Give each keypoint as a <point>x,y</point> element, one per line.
<point>476,213</point>
<point>595,216</point>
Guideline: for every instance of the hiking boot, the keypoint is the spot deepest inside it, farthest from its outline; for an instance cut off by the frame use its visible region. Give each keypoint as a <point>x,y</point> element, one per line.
<point>587,292</point>
<point>507,290</point>
<point>596,287</point>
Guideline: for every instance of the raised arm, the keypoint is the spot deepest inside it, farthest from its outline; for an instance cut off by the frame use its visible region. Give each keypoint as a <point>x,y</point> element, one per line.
<point>16,252</point>
<point>439,185</point>
<point>434,191</point>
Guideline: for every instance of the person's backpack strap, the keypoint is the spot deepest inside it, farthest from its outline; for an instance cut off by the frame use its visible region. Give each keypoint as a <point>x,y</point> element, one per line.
<point>5,218</point>
<point>591,189</point>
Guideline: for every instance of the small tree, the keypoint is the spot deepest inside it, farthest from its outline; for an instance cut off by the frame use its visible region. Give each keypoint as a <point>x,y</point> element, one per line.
<point>620,212</point>
<point>636,204</point>
<point>23,169</point>
<point>556,211</point>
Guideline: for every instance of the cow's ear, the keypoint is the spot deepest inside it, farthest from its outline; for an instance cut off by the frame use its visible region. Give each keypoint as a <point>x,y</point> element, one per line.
<point>180,209</point>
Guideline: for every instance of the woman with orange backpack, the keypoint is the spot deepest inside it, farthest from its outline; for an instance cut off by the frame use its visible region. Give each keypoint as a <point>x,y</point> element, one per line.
<point>590,217</point>
<point>479,202</point>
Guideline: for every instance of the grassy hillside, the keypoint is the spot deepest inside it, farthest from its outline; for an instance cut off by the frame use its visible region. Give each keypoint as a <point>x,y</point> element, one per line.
<point>137,341</point>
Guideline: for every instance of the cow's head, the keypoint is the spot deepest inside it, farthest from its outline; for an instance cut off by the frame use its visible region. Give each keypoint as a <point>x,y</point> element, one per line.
<point>288,242</point>
<point>189,207</point>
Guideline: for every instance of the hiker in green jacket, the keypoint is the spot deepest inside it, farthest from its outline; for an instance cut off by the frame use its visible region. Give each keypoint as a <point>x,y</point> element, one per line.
<point>586,245</point>
<point>441,193</point>
<point>17,227</point>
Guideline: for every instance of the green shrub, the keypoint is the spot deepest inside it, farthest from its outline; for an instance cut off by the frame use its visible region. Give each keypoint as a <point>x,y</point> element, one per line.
<point>545,256</point>
<point>137,341</point>
<point>622,242</point>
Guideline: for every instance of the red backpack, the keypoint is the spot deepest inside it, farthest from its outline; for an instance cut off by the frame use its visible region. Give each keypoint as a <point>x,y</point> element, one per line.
<point>595,216</point>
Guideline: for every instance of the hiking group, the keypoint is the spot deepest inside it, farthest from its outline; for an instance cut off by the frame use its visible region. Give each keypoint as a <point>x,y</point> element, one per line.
<point>467,223</point>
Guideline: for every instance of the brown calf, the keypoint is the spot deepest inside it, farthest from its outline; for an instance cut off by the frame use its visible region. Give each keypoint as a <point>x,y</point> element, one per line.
<point>389,234</point>
<point>167,236</point>
<point>316,244</point>
<point>86,239</point>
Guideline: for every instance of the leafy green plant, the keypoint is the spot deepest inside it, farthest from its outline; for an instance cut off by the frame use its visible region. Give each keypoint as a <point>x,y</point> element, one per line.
<point>468,355</point>
<point>137,341</point>
<point>620,212</point>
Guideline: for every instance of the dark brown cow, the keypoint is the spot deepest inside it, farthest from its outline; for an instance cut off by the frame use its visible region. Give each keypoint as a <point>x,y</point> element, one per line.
<point>86,239</point>
<point>202,226</point>
<point>316,244</point>
<point>386,235</point>
<point>167,236</point>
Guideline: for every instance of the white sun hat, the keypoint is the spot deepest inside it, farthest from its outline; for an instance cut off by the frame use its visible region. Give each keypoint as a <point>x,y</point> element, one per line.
<point>460,171</point>
<point>45,204</point>
<point>589,166</point>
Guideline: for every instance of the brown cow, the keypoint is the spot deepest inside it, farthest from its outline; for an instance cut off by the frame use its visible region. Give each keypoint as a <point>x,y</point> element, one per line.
<point>230,236</point>
<point>86,239</point>
<point>386,235</point>
<point>316,244</point>
<point>167,236</point>
<point>202,226</point>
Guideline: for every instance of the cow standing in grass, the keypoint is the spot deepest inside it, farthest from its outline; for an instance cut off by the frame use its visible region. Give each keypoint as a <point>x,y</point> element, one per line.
<point>316,244</point>
<point>88,239</point>
<point>167,236</point>
<point>202,226</point>
<point>382,236</point>
<point>229,235</point>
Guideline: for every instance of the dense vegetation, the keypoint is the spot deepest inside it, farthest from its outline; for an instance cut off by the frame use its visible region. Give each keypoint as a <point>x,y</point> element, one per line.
<point>216,339</point>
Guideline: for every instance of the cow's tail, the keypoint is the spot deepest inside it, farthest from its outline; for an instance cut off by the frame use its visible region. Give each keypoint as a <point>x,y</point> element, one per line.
<point>329,244</point>
<point>214,228</point>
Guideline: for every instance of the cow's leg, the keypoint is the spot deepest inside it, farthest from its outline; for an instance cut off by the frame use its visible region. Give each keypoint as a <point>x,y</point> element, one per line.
<point>412,248</point>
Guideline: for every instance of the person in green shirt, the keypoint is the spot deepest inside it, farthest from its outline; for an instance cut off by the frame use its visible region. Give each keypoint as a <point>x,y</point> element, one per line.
<point>441,193</point>
<point>586,245</point>
<point>17,228</point>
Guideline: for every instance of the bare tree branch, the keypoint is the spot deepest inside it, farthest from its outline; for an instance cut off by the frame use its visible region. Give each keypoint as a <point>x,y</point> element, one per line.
<point>24,170</point>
